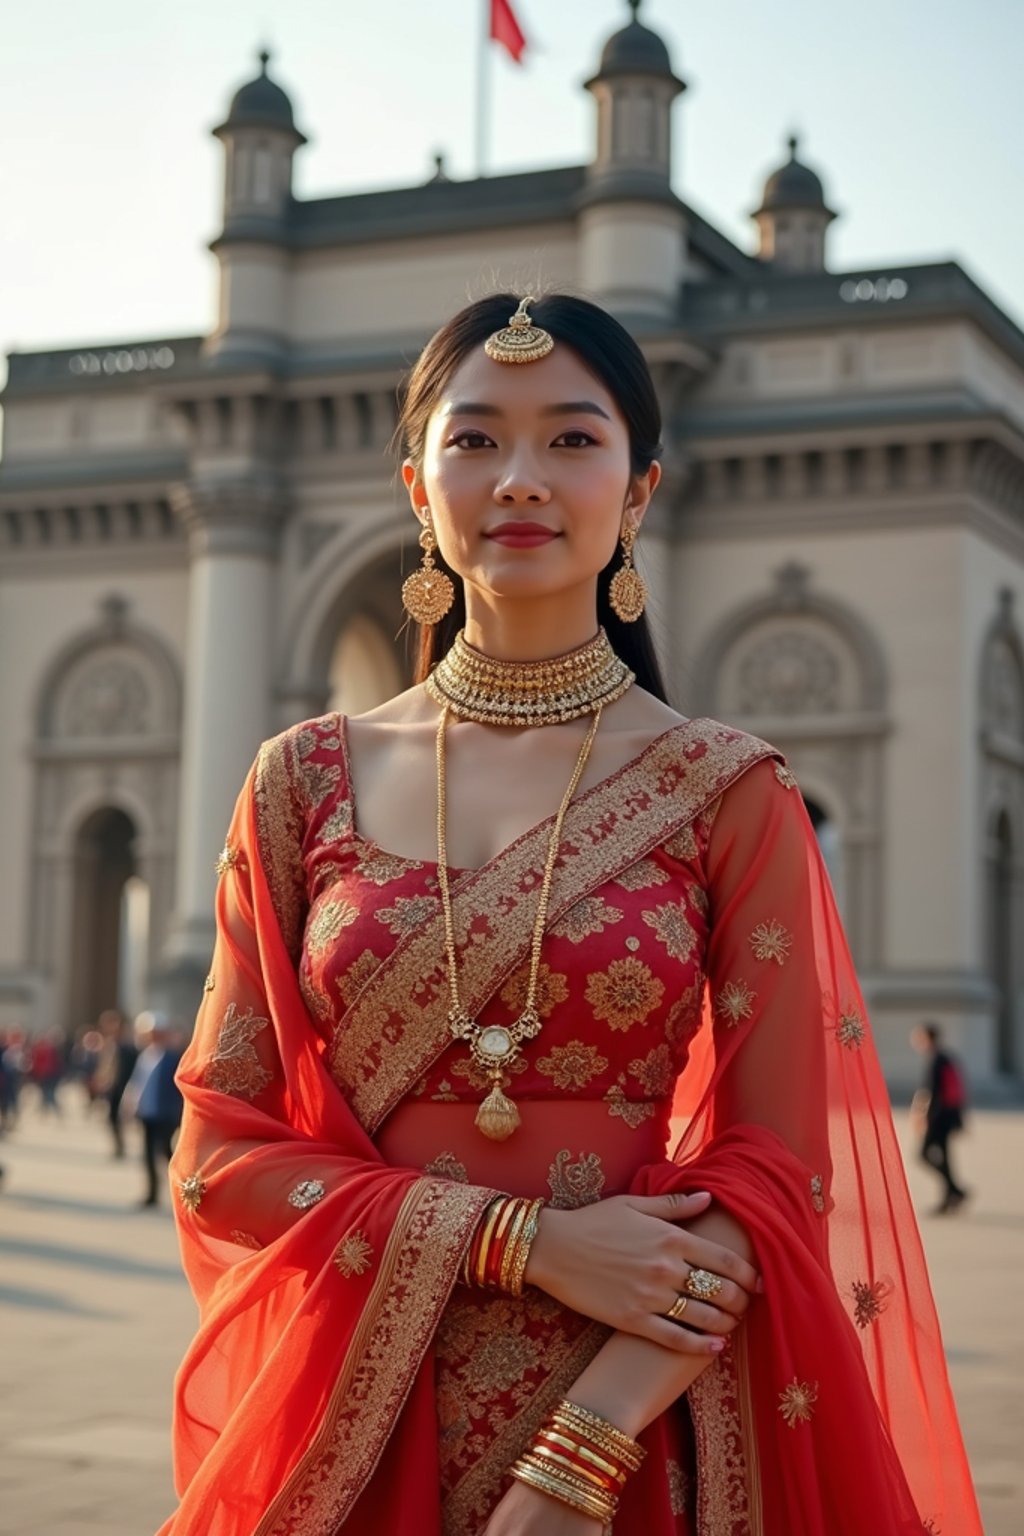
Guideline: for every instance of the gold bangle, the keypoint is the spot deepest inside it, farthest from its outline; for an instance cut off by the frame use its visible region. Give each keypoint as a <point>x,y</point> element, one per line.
<point>521,1255</point>
<point>559,1487</point>
<point>548,1454</point>
<point>511,1240</point>
<point>499,1236</point>
<point>579,1449</point>
<point>598,1429</point>
<point>491,1217</point>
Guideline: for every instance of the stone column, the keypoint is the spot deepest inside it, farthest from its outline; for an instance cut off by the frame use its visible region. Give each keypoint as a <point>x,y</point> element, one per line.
<point>233,538</point>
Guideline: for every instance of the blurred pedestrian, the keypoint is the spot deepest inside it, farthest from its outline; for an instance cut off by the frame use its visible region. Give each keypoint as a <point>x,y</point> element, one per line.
<point>940,1105</point>
<point>114,1072</point>
<point>47,1067</point>
<point>160,1103</point>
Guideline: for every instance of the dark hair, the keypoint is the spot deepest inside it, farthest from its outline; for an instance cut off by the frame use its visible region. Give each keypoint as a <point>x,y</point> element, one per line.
<point>610,352</point>
<point>933,1031</point>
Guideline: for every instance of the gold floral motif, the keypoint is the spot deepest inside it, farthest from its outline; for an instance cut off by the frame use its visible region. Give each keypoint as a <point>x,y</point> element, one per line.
<point>337,824</point>
<point>235,1066</point>
<point>353,1255</point>
<point>382,868</point>
<point>552,989</point>
<point>632,943</point>
<point>818,1193</point>
<point>633,1111</point>
<point>735,1002</point>
<point>655,1072</point>
<point>244,1239</point>
<point>642,875</point>
<point>678,1487</point>
<point>326,923</point>
<point>209,983</point>
<point>591,915</point>
<point>407,914</point>
<point>572,1065</point>
<point>726,1491</point>
<point>351,981</point>
<point>306,1194</point>
<point>191,1191</point>
<point>684,1016</point>
<point>606,829</point>
<point>576,1183</point>
<point>625,994</point>
<point>869,1301</point>
<point>683,846</point>
<point>227,859</point>
<point>672,928</point>
<point>770,941</point>
<point>444,1093</point>
<point>850,1030</point>
<point>785,776</point>
<point>447,1166</point>
<point>796,1403</point>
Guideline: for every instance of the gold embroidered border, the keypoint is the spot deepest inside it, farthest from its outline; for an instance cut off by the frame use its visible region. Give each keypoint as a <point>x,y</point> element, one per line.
<point>724,1505</point>
<point>417,1271</point>
<point>397,1026</point>
<point>478,1490</point>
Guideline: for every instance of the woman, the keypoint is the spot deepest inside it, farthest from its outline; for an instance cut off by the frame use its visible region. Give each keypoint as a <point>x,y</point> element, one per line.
<point>469,946</point>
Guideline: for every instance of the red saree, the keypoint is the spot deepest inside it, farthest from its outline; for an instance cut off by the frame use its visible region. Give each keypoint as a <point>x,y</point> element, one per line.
<point>330,1176</point>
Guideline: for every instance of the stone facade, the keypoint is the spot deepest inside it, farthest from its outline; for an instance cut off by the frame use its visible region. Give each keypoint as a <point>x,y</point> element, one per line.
<point>202,540</point>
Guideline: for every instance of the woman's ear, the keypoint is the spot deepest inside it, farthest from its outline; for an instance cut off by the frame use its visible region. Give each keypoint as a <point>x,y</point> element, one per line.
<point>642,488</point>
<point>415,489</point>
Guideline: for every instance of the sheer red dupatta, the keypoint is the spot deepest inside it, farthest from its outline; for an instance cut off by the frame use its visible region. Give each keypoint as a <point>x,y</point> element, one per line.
<point>320,1272</point>
<point>832,1413</point>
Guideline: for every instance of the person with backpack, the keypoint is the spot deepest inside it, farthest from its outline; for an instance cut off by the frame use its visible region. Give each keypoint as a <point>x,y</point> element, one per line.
<point>943,1098</point>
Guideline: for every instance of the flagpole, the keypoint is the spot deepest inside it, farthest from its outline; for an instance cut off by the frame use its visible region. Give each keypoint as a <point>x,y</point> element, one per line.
<point>481,85</point>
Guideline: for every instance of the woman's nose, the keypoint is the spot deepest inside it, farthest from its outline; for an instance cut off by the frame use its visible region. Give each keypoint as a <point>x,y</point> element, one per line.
<point>521,486</point>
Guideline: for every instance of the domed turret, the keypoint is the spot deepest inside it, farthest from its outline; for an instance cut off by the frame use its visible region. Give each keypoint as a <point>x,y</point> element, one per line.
<point>632,224</point>
<point>793,217</point>
<point>260,139</point>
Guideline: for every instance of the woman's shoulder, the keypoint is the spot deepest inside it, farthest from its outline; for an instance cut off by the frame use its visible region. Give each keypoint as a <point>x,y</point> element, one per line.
<point>304,762</point>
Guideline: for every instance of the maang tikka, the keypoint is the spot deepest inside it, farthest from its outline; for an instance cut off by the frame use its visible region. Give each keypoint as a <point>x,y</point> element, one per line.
<point>627,591</point>
<point>428,593</point>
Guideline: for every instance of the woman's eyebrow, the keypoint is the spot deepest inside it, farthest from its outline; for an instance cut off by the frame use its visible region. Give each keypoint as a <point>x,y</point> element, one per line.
<point>565,408</point>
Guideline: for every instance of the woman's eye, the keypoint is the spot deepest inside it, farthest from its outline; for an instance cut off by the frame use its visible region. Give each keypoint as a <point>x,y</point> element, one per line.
<point>575,432</point>
<point>459,440</point>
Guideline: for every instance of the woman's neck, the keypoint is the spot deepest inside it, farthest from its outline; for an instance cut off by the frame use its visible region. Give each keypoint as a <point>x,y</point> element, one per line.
<point>532,630</point>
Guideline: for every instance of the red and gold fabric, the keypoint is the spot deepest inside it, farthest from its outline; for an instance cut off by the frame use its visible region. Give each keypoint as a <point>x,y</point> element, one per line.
<point>331,1178</point>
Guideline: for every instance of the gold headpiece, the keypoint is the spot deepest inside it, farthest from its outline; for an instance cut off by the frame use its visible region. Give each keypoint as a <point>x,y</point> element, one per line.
<point>520,341</point>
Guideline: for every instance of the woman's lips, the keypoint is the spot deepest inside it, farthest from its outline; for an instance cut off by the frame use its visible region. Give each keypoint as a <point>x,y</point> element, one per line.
<point>521,535</point>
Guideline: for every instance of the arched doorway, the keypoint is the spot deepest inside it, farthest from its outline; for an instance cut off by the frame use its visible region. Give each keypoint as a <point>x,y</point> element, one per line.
<point>109,930</point>
<point>1001,904</point>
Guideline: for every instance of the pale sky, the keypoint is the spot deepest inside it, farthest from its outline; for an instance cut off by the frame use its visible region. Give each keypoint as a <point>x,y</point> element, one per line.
<point>912,111</point>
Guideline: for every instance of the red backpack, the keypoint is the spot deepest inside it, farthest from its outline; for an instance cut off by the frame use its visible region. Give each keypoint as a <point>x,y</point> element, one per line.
<point>952,1088</point>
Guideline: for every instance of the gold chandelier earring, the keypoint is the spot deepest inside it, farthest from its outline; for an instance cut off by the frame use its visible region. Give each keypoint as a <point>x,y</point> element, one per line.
<point>627,591</point>
<point>428,593</point>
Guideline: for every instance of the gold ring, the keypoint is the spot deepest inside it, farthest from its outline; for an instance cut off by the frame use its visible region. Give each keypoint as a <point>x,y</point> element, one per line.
<point>677,1308</point>
<point>702,1285</point>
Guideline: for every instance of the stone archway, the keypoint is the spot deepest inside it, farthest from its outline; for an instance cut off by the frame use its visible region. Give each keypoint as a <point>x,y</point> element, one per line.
<point>106,759</point>
<point>801,669</point>
<point>103,863</point>
<point>347,644</point>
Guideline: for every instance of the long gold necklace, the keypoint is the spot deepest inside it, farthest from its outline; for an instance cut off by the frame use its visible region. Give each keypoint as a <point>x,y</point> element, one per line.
<point>518,693</point>
<point>494,1046</point>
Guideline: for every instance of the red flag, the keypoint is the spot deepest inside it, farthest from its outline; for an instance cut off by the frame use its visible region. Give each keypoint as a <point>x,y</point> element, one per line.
<point>506,29</point>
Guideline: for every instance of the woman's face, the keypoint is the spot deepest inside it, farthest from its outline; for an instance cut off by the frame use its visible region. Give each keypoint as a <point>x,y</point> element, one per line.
<point>526,472</point>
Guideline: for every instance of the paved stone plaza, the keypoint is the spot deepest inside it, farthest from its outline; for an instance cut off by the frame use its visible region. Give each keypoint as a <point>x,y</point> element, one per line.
<point>94,1316</point>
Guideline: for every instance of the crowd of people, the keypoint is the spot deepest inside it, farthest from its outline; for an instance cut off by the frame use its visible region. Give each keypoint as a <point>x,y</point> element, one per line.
<point>124,1071</point>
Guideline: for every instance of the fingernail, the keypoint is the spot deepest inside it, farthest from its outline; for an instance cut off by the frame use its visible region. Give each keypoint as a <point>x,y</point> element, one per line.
<point>716,1346</point>
<point>702,1194</point>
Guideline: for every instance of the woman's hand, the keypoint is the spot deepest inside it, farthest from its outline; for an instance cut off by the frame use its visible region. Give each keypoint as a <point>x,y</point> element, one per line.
<point>526,1511</point>
<point>624,1262</point>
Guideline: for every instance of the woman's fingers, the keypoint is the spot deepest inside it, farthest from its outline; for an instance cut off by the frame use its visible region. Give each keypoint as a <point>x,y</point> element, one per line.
<point>661,1330</point>
<point>671,1207</point>
<point>700,1253</point>
<point>732,1298</point>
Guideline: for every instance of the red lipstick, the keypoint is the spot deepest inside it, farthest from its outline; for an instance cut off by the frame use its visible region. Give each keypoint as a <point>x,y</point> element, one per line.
<point>521,535</point>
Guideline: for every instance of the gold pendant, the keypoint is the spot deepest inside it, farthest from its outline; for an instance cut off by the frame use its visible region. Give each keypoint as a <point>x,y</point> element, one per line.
<point>497,1116</point>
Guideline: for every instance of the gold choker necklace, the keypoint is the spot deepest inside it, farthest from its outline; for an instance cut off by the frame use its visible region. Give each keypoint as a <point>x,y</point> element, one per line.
<point>477,687</point>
